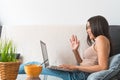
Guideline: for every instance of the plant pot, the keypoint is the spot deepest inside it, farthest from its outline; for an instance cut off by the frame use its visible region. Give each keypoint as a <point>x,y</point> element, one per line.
<point>9,70</point>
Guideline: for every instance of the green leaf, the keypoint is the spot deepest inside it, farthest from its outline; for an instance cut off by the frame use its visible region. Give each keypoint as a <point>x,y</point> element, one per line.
<point>7,51</point>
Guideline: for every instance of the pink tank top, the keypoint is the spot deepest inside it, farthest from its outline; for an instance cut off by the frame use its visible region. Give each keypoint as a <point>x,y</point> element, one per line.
<point>89,57</point>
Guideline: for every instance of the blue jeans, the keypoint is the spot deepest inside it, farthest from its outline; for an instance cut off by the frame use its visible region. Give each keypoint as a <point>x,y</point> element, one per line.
<point>65,75</point>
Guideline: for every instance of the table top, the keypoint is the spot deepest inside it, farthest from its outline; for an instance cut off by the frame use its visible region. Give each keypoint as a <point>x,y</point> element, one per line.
<point>41,77</point>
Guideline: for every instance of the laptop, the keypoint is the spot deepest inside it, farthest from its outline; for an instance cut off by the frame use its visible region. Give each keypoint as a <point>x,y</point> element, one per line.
<point>46,60</point>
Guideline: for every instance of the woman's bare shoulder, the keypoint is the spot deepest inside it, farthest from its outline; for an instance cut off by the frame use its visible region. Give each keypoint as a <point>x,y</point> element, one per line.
<point>102,42</point>
<point>101,39</point>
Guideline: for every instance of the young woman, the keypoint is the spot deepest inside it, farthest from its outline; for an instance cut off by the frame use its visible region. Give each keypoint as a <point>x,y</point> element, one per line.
<point>95,58</point>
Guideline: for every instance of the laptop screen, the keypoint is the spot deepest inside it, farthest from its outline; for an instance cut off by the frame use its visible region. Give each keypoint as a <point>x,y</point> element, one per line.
<point>44,53</point>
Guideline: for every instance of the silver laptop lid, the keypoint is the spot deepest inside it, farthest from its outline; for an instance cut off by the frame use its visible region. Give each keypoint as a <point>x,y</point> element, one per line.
<point>44,53</point>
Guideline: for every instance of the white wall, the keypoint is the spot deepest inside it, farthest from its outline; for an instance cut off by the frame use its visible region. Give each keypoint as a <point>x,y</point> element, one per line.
<point>46,12</point>
<point>27,40</point>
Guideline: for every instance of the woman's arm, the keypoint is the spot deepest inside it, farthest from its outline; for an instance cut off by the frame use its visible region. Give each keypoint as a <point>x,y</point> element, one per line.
<point>75,45</point>
<point>90,69</point>
<point>77,56</point>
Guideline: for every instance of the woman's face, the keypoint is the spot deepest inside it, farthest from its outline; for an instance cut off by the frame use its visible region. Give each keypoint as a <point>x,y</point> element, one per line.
<point>88,29</point>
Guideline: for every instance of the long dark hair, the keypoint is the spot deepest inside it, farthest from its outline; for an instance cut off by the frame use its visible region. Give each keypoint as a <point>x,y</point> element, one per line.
<point>99,26</point>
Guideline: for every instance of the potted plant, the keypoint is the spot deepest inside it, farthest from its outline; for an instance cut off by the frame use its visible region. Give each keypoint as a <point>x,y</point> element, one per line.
<point>9,65</point>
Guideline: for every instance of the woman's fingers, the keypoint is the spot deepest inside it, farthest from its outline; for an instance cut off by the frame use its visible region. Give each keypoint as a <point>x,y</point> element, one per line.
<point>74,42</point>
<point>67,66</point>
<point>73,38</point>
<point>63,66</point>
<point>70,40</point>
<point>76,39</point>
